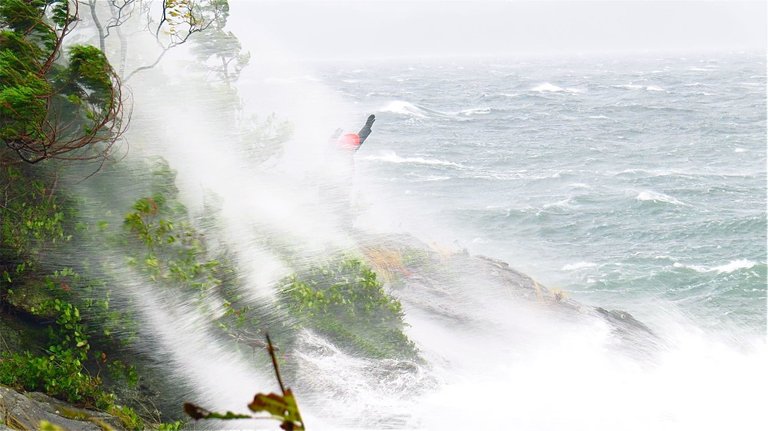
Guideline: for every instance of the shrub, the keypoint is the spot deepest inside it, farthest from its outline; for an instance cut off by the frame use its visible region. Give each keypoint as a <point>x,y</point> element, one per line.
<point>344,301</point>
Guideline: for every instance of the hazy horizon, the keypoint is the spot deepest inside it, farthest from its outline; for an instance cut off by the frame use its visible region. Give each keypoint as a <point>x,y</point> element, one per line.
<point>370,29</point>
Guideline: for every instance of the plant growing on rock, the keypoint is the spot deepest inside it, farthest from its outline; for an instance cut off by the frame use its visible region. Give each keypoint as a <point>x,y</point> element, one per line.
<point>344,301</point>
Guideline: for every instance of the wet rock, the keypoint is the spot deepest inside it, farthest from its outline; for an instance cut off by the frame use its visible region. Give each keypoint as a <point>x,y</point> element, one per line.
<point>26,411</point>
<point>441,273</point>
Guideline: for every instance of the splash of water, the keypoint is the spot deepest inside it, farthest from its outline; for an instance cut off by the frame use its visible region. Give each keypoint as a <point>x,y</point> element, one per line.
<point>492,361</point>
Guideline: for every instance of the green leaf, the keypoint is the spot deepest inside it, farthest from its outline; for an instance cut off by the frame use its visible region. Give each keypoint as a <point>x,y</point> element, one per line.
<point>281,407</point>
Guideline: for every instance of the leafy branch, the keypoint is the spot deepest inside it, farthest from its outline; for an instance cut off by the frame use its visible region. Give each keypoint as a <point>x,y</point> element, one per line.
<point>279,407</point>
<point>179,20</point>
<point>52,109</point>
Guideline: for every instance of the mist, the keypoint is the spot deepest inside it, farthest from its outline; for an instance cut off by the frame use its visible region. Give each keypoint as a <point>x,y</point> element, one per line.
<point>358,30</point>
<point>558,219</point>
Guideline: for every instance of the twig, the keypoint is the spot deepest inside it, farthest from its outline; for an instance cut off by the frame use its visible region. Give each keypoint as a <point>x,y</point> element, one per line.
<point>271,351</point>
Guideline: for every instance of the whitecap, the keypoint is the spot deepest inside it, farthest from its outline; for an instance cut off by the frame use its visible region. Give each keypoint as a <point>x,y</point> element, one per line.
<point>728,268</point>
<point>474,111</point>
<point>551,88</point>
<point>599,117</point>
<point>403,108</point>
<point>697,268</point>
<point>547,87</point>
<point>639,87</point>
<point>734,265</point>
<point>740,150</point>
<point>580,185</point>
<point>434,178</point>
<point>628,86</point>
<point>578,265</point>
<point>392,157</point>
<point>651,196</point>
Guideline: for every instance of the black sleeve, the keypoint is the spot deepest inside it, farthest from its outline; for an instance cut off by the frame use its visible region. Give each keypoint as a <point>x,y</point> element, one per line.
<point>366,130</point>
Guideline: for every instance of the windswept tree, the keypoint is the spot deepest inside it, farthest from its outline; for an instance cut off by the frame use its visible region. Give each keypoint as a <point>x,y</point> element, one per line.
<point>171,23</point>
<point>55,102</point>
<point>220,52</point>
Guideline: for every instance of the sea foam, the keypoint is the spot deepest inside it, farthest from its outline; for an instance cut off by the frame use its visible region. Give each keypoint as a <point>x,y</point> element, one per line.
<point>727,268</point>
<point>392,157</point>
<point>651,196</point>
<point>547,87</point>
<point>404,108</point>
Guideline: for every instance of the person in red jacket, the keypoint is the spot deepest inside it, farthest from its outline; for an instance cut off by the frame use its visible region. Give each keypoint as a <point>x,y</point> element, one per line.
<point>353,141</point>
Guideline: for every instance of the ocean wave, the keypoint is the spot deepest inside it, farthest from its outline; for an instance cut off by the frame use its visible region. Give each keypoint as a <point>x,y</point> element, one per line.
<point>392,157</point>
<point>580,185</point>
<point>474,111</point>
<point>404,108</point>
<point>734,265</point>
<point>651,196</point>
<point>551,88</point>
<point>578,265</point>
<point>427,178</point>
<point>639,87</point>
<point>727,268</point>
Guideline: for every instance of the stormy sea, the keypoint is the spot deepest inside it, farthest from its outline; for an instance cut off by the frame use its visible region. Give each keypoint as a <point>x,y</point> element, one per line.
<point>629,183</point>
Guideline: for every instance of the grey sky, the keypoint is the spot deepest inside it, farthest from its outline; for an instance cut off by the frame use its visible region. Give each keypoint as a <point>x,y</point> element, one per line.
<point>321,29</point>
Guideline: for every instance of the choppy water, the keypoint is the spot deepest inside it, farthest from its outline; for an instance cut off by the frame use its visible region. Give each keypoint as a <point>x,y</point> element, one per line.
<point>630,183</point>
<point>620,180</point>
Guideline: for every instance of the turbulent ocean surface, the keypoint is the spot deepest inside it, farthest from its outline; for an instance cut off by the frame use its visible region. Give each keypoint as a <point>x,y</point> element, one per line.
<point>637,183</point>
<point>634,184</point>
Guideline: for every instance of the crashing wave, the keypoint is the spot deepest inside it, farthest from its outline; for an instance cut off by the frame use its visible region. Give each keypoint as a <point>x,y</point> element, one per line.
<point>392,157</point>
<point>402,107</point>
<point>727,268</point>
<point>551,88</point>
<point>651,196</point>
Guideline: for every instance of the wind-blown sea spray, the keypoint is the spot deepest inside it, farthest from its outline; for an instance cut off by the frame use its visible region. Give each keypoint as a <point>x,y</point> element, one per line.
<point>491,359</point>
<point>267,212</point>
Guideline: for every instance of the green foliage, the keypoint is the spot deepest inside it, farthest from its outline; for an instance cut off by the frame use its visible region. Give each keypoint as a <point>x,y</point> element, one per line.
<point>60,371</point>
<point>263,138</point>
<point>170,426</point>
<point>60,376</point>
<point>344,301</point>
<point>90,75</point>
<point>41,111</point>
<point>119,370</point>
<point>31,221</point>
<point>175,250</point>
<point>127,417</point>
<point>34,222</point>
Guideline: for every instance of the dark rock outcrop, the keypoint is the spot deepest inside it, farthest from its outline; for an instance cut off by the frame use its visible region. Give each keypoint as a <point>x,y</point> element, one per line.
<point>27,411</point>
